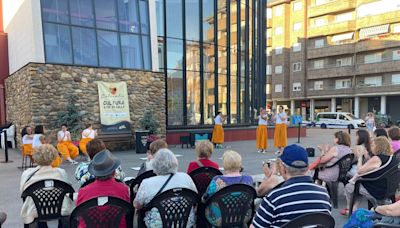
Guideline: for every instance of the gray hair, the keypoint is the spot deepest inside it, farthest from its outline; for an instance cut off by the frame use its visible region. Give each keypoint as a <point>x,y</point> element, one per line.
<point>292,171</point>
<point>164,162</point>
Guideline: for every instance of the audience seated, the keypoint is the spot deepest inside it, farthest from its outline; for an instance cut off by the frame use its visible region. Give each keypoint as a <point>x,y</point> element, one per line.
<point>204,150</point>
<point>165,166</point>
<point>82,173</point>
<point>380,132</point>
<point>362,151</point>
<point>272,178</point>
<point>154,147</point>
<point>384,215</point>
<point>378,164</point>
<point>296,196</point>
<point>394,135</point>
<point>103,166</point>
<point>331,154</point>
<point>44,156</point>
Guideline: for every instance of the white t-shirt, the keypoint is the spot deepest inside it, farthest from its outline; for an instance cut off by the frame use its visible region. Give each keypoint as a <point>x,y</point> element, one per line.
<point>91,134</point>
<point>27,140</point>
<point>278,120</point>
<point>261,121</point>
<point>61,136</point>
<point>218,120</point>
<point>36,140</point>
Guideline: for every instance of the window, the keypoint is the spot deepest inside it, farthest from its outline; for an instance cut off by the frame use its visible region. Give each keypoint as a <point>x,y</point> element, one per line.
<point>297,6</point>
<point>373,81</point>
<point>321,2</point>
<point>84,46</point>
<point>344,62</point>
<point>341,38</point>
<point>269,13</point>
<point>318,85</point>
<point>144,17</point>
<point>297,26</point>
<point>296,67</point>
<point>296,47</point>
<point>278,69</point>
<point>318,64</point>
<point>319,43</point>
<point>344,17</point>
<point>128,16</point>
<point>146,52</point>
<point>269,69</point>
<point>342,117</point>
<point>373,58</point>
<point>396,55</point>
<point>279,31</point>
<point>296,86</point>
<point>320,22</point>
<point>396,28</point>
<point>55,11</point>
<point>279,11</point>
<point>131,51</point>
<point>82,12</point>
<point>278,88</point>
<point>343,84</point>
<point>396,79</point>
<point>57,42</point>
<point>109,52</point>
<point>106,14</point>
<point>278,50</point>
<point>268,33</point>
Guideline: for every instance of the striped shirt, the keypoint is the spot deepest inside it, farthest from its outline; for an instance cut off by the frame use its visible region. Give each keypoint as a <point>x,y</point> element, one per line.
<point>295,197</point>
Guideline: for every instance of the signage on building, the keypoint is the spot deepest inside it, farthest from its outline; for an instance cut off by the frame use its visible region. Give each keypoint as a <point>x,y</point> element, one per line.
<point>114,103</point>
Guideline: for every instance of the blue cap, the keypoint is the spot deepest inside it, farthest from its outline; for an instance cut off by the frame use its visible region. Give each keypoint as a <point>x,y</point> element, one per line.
<point>295,156</point>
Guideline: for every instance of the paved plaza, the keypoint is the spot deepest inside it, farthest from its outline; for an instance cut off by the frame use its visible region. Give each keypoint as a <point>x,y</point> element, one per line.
<point>11,203</point>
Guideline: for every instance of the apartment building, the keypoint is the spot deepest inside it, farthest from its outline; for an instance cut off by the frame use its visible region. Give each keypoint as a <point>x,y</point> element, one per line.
<point>334,55</point>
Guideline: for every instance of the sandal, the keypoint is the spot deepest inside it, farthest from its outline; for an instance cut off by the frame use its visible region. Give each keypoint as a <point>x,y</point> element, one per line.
<point>344,211</point>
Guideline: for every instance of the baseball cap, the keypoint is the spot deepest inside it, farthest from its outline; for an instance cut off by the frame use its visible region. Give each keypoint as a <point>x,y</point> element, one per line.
<point>294,156</point>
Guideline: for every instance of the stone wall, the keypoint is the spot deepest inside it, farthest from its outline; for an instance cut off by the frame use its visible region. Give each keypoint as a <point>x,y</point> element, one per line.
<point>38,92</point>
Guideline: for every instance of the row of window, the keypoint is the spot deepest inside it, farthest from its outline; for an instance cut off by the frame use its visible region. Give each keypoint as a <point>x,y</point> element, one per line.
<point>279,9</point>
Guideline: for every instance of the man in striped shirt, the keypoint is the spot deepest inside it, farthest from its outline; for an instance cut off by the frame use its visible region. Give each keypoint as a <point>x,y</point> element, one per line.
<point>298,195</point>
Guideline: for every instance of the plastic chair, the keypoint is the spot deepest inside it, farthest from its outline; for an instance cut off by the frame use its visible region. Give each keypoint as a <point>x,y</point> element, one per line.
<point>316,219</point>
<point>392,177</point>
<point>95,213</point>
<point>234,201</point>
<point>202,177</point>
<point>48,196</point>
<point>10,136</point>
<point>345,164</point>
<point>383,225</point>
<point>137,181</point>
<point>174,206</point>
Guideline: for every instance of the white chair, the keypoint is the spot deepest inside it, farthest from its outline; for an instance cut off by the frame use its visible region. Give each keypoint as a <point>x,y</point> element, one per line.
<point>10,136</point>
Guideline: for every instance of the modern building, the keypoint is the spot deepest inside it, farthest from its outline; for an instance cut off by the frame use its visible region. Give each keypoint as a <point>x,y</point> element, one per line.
<point>184,60</point>
<point>327,55</point>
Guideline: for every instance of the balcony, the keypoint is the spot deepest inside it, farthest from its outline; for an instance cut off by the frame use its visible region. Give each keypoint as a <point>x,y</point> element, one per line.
<point>379,67</point>
<point>329,91</point>
<point>331,7</point>
<point>330,72</point>
<point>385,88</point>
<point>222,24</point>
<point>332,28</point>
<point>269,23</point>
<point>382,43</point>
<point>330,50</point>
<point>380,19</point>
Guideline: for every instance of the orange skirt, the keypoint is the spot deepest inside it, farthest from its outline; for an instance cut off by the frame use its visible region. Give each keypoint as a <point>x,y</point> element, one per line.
<point>262,137</point>
<point>83,143</point>
<point>218,134</point>
<point>280,135</point>
<point>27,149</point>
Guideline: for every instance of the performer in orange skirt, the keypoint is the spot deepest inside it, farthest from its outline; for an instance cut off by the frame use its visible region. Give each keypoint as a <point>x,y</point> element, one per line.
<point>65,146</point>
<point>27,139</point>
<point>261,132</point>
<point>87,135</point>
<point>218,131</point>
<point>280,133</point>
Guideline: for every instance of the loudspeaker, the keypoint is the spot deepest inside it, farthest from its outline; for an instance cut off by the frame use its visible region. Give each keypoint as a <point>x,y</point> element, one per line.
<point>310,151</point>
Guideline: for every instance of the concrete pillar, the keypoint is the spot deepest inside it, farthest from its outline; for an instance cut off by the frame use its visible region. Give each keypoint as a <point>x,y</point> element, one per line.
<point>333,105</point>
<point>357,107</point>
<point>274,105</point>
<point>383,104</point>
<point>292,107</point>
<point>312,110</point>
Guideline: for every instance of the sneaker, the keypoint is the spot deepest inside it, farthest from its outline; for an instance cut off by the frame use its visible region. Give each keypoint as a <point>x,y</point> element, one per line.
<point>278,152</point>
<point>264,151</point>
<point>260,151</point>
<point>73,162</point>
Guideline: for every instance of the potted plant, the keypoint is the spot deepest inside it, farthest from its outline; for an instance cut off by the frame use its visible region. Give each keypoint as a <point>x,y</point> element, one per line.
<point>148,122</point>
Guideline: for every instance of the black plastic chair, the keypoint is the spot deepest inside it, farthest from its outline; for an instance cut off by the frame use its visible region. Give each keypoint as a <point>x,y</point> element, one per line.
<point>48,196</point>
<point>202,177</point>
<point>392,177</point>
<point>383,225</point>
<point>137,181</point>
<point>108,214</point>
<point>316,219</point>
<point>345,163</point>
<point>234,201</point>
<point>174,206</point>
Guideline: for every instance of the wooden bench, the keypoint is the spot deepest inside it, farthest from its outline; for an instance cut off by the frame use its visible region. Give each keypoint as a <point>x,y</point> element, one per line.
<point>118,133</point>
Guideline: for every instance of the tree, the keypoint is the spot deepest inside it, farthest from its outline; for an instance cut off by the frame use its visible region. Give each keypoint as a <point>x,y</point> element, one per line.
<point>72,117</point>
<point>149,123</point>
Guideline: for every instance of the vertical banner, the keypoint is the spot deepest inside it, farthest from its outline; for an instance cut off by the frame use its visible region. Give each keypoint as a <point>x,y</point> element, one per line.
<point>114,103</point>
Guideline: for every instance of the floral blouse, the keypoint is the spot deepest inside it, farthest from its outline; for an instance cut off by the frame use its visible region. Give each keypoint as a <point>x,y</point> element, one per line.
<point>82,173</point>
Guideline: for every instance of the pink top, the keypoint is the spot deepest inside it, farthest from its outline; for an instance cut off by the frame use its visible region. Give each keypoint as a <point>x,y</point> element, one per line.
<point>395,145</point>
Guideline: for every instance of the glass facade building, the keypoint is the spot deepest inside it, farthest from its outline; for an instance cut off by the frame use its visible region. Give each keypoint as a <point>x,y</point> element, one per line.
<point>105,33</point>
<point>209,51</point>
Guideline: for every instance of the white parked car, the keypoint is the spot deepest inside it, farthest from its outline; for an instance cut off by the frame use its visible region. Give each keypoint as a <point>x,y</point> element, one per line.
<point>338,120</point>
